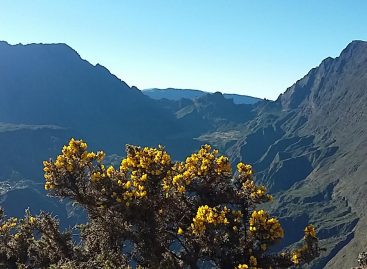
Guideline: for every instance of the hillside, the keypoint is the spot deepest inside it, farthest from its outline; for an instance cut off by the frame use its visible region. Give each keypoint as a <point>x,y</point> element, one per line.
<point>309,147</point>
<point>49,84</point>
<point>177,94</point>
<point>49,94</point>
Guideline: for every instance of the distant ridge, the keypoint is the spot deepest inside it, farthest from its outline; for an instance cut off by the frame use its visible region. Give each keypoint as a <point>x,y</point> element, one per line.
<point>308,147</point>
<point>177,94</point>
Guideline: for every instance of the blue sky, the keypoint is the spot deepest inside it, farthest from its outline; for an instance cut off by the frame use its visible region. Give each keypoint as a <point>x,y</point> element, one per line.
<point>257,47</point>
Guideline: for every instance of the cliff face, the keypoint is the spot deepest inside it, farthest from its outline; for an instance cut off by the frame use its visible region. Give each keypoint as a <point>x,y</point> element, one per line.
<point>309,147</point>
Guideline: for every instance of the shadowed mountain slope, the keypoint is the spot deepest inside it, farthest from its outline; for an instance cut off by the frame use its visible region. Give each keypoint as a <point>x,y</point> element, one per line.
<point>52,85</point>
<point>48,94</point>
<point>310,147</point>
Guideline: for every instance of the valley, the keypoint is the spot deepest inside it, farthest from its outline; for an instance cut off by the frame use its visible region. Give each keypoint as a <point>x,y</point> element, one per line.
<point>308,147</point>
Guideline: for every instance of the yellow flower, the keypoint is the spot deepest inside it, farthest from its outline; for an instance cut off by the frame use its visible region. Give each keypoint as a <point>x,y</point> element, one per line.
<point>207,215</point>
<point>127,185</point>
<point>241,167</point>
<point>32,220</point>
<point>144,177</point>
<point>253,261</point>
<point>180,231</point>
<point>96,176</point>
<point>310,231</point>
<point>110,170</point>
<point>49,186</point>
<point>295,258</point>
<point>100,156</point>
<point>265,227</point>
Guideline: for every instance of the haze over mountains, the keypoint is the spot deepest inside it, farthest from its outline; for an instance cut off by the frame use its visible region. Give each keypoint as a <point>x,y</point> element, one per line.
<point>309,146</point>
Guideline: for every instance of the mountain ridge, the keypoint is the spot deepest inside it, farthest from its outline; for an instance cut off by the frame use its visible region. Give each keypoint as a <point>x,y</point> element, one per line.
<point>312,146</point>
<point>308,146</point>
<point>175,94</point>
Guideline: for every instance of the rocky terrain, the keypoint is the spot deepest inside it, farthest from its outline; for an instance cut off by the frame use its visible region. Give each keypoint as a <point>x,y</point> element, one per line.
<point>308,147</point>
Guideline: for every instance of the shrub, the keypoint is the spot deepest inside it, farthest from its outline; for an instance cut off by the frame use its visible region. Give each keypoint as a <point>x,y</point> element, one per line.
<point>152,212</point>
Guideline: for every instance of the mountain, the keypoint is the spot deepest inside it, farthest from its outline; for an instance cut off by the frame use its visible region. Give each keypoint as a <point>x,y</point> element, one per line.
<point>309,148</point>
<point>177,94</point>
<point>49,84</point>
<point>212,119</point>
<point>49,94</point>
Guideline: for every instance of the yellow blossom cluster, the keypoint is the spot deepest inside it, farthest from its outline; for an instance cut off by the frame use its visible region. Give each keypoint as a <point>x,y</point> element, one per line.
<point>206,161</point>
<point>139,165</point>
<point>256,193</point>
<point>202,164</point>
<point>175,179</point>
<point>148,180</point>
<point>101,173</point>
<point>265,227</point>
<point>310,231</point>
<point>252,262</point>
<point>32,220</point>
<point>296,257</point>
<point>242,266</point>
<point>7,225</point>
<point>245,170</point>
<point>208,215</point>
<point>222,165</point>
<point>133,188</point>
<point>153,161</point>
<point>74,157</point>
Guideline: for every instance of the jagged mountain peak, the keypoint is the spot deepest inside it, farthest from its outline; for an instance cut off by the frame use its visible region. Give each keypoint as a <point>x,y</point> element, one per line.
<point>307,90</point>
<point>356,46</point>
<point>310,149</point>
<point>216,97</point>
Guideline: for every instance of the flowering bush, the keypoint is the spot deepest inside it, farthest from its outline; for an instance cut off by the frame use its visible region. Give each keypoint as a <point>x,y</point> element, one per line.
<point>152,212</point>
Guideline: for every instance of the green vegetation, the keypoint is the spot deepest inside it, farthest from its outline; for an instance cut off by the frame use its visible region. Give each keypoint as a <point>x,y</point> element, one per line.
<point>152,212</point>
